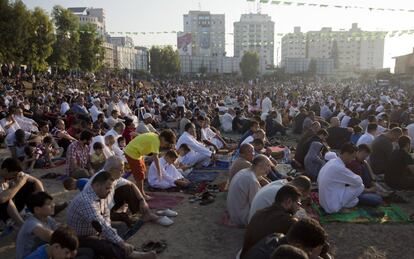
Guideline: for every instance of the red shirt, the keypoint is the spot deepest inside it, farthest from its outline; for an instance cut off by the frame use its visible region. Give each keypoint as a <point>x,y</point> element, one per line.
<point>127,134</point>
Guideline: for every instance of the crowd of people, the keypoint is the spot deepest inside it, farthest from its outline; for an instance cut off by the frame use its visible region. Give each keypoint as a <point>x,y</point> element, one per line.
<point>350,135</point>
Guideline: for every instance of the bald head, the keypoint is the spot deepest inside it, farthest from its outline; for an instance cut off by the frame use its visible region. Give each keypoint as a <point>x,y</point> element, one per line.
<point>335,122</point>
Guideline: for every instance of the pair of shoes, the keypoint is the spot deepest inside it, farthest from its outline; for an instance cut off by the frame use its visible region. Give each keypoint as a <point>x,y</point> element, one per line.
<point>213,188</point>
<point>207,198</point>
<point>167,212</point>
<point>156,246</point>
<point>164,221</point>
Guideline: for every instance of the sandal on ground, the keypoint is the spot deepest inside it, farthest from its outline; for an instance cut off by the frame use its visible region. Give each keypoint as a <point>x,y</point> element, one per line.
<point>167,212</point>
<point>164,221</point>
<point>194,198</point>
<point>207,198</point>
<point>157,247</point>
<point>213,188</point>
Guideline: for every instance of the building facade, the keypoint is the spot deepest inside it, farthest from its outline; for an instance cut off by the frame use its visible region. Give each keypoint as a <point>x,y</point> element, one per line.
<point>404,65</point>
<point>255,32</point>
<point>206,64</point>
<point>121,41</point>
<point>108,55</point>
<point>207,33</point>
<point>94,16</point>
<point>351,50</point>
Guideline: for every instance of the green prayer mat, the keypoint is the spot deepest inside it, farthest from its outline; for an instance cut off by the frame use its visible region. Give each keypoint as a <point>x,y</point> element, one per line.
<point>383,214</point>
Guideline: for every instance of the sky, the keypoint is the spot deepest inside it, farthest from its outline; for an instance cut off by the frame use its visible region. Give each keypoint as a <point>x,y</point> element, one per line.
<point>167,15</point>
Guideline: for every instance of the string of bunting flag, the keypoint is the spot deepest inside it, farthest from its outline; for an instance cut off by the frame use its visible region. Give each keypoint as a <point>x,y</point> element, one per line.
<point>324,5</point>
<point>352,35</point>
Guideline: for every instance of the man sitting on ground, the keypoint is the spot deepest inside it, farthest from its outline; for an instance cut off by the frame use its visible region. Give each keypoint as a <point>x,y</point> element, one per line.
<point>243,161</point>
<point>400,169</point>
<point>243,187</point>
<point>337,136</point>
<point>306,234</point>
<point>278,218</point>
<point>123,192</point>
<point>15,189</point>
<point>203,154</point>
<point>382,148</point>
<point>265,196</point>
<point>339,187</point>
<point>91,206</point>
<point>369,136</point>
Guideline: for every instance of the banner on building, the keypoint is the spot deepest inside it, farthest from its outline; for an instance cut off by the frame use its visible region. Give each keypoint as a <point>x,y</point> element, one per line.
<point>184,41</point>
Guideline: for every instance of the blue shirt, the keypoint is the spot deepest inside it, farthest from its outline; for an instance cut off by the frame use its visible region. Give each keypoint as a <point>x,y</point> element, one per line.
<point>355,138</point>
<point>80,183</point>
<point>39,253</point>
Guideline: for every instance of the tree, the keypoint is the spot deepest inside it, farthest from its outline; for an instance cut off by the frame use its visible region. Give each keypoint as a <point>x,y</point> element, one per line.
<point>249,65</point>
<point>155,60</point>
<point>170,61</point>
<point>164,61</point>
<point>40,42</point>
<point>91,51</point>
<point>14,32</point>
<point>66,47</point>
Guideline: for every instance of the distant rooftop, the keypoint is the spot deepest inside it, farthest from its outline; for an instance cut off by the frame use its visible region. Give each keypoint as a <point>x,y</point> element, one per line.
<point>77,9</point>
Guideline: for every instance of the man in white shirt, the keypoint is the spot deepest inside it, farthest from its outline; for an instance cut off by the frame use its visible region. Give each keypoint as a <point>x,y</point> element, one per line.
<point>124,108</point>
<point>266,105</point>
<point>338,186</point>
<point>180,104</point>
<point>226,120</point>
<point>64,106</point>
<point>265,197</point>
<point>242,189</point>
<point>95,109</point>
<point>117,132</point>
<point>369,136</point>
<point>203,154</point>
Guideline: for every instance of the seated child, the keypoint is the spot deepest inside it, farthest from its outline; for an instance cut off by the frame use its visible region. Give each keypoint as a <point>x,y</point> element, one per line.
<point>49,152</point>
<point>71,184</point>
<point>121,143</point>
<point>38,227</point>
<point>98,157</point>
<point>187,159</point>
<point>170,176</point>
<point>32,154</point>
<point>63,241</point>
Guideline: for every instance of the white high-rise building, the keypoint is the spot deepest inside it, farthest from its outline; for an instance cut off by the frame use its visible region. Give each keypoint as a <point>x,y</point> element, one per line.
<point>350,50</point>
<point>207,33</point>
<point>255,32</point>
<point>94,16</point>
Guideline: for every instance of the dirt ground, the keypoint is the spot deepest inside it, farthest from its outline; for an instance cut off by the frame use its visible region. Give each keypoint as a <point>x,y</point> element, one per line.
<point>197,234</point>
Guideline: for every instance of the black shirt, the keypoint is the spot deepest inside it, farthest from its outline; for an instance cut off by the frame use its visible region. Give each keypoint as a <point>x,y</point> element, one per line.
<point>337,137</point>
<point>397,167</point>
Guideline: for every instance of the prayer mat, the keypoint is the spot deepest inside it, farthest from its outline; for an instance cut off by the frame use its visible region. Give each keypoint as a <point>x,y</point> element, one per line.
<point>202,176</point>
<point>163,201</point>
<point>382,214</point>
